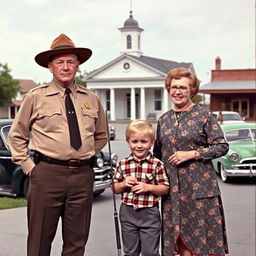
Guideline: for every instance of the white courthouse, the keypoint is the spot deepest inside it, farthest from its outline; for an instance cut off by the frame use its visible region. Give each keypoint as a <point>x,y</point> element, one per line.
<point>131,86</point>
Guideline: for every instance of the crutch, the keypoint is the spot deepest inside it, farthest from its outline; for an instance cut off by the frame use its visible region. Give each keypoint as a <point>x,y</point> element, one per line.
<point>118,242</point>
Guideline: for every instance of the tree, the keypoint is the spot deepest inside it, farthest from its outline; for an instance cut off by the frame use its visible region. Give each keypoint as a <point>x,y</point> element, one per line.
<point>80,77</point>
<point>198,98</point>
<point>8,86</point>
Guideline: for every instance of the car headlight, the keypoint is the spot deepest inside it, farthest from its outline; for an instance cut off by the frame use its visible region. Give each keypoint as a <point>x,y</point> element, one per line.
<point>114,158</point>
<point>233,156</point>
<point>99,162</point>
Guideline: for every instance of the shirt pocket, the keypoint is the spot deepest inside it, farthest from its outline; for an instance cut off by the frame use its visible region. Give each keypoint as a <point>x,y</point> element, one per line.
<point>150,178</point>
<point>89,118</point>
<point>50,119</point>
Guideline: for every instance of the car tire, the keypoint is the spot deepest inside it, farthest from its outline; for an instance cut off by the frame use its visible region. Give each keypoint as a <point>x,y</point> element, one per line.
<point>223,174</point>
<point>25,187</point>
<point>98,192</point>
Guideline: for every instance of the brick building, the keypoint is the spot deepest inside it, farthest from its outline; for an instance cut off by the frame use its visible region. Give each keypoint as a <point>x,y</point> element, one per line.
<point>232,89</point>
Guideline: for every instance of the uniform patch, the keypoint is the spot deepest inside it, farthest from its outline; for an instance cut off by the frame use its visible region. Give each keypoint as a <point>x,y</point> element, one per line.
<point>87,106</point>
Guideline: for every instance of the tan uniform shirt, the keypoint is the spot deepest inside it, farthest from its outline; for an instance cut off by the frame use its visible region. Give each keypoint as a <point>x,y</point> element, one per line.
<point>43,113</point>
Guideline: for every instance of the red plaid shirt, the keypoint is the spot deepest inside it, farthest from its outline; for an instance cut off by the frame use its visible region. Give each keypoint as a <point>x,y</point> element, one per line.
<point>149,170</point>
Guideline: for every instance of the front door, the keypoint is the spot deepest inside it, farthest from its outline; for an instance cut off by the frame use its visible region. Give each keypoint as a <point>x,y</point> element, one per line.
<point>241,106</point>
<point>128,105</point>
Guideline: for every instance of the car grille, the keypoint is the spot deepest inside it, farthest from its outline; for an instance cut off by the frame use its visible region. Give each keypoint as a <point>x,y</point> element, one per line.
<point>101,174</point>
<point>247,163</point>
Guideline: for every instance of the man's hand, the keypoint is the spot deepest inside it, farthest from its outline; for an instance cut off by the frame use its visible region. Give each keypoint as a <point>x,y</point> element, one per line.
<point>30,172</point>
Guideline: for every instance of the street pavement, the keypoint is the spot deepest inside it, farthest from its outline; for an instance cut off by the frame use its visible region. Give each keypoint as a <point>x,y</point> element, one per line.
<point>101,242</point>
<point>239,204</point>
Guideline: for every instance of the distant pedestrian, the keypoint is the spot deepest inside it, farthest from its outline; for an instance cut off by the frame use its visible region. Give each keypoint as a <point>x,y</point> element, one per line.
<point>220,117</point>
<point>141,179</point>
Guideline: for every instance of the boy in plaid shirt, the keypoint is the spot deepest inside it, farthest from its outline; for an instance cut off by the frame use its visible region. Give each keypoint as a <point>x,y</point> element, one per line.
<point>140,179</point>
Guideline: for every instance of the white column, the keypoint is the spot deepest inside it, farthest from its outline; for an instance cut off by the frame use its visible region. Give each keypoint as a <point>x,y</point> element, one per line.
<point>112,105</point>
<point>165,101</point>
<point>133,104</point>
<point>142,103</point>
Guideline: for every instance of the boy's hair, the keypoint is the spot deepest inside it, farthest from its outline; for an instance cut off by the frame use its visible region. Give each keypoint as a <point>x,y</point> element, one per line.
<point>140,126</point>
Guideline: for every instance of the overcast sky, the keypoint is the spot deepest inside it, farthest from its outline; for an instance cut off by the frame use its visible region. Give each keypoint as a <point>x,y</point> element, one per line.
<point>179,30</point>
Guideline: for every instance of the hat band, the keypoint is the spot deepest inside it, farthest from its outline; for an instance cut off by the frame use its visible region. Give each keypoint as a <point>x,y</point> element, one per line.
<point>63,46</point>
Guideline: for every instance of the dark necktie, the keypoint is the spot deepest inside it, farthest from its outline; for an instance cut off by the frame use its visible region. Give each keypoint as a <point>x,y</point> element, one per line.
<point>74,133</point>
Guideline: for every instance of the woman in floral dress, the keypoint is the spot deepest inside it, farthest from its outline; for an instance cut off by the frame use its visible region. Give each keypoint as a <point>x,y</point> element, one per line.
<point>188,138</point>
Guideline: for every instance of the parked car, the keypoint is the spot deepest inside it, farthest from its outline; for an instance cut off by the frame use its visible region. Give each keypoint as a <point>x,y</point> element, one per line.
<point>112,132</point>
<point>240,161</point>
<point>229,117</point>
<point>13,181</point>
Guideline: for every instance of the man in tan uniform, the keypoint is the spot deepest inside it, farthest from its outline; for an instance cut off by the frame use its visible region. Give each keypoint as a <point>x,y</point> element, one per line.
<point>66,128</point>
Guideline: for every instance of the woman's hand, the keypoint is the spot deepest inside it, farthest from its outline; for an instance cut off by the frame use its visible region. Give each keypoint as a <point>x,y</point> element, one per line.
<point>182,156</point>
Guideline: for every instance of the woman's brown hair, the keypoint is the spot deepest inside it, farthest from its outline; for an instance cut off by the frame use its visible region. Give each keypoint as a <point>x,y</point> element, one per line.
<point>178,73</point>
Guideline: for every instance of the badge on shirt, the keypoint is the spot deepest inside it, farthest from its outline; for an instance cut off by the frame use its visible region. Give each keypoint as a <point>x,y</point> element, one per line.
<point>86,106</point>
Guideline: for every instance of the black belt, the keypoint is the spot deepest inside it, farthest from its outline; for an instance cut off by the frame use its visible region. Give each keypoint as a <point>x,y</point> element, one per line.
<point>71,162</point>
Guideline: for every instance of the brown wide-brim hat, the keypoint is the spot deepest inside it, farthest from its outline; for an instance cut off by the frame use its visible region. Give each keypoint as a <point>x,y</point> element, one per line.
<point>62,45</point>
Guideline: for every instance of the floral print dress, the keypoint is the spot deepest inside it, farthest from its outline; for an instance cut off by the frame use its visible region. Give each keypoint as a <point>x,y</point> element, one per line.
<point>193,209</point>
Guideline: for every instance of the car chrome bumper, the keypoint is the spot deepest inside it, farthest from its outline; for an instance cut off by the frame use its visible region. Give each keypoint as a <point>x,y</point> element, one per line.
<point>242,170</point>
<point>102,178</point>
<point>99,185</point>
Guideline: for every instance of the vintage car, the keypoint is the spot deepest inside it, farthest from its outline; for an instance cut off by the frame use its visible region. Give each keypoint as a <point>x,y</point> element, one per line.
<point>112,131</point>
<point>229,117</point>
<point>13,182</point>
<point>240,161</point>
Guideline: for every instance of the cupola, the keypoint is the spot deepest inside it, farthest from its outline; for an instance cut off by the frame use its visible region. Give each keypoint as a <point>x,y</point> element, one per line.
<point>131,22</point>
<point>131,36</point>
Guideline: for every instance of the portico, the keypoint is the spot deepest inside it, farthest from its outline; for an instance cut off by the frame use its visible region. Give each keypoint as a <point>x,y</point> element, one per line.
<point>132,85</point>
<point>136,104</point>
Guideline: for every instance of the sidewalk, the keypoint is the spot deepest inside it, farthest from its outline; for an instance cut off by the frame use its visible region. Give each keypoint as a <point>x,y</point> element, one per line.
<point>239,204</point>
<point>13,232</point>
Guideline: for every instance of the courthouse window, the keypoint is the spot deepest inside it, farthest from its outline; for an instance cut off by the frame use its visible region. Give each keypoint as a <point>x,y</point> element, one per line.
<point>108,100</point>
<point>158,100</point>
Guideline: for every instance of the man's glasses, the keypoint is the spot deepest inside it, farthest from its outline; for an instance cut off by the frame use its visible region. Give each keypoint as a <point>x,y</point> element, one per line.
<point>174,88</point>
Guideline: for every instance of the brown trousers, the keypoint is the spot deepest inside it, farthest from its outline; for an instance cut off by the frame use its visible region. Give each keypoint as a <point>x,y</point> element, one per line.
<point>56,191</point>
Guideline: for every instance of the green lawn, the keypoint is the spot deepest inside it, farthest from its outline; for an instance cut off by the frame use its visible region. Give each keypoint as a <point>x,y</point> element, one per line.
<point>7,202</point>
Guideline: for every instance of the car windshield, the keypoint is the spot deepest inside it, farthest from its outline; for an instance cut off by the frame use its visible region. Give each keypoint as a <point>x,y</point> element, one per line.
<point>5,131</point>
<point>241,135</point>
<point>230,116</point>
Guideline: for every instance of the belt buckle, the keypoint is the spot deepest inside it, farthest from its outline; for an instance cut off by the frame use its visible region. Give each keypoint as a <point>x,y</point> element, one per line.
<point>73,163</point>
